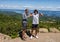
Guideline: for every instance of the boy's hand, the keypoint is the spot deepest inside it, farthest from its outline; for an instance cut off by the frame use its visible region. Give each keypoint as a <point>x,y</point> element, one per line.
<point>41,14</point>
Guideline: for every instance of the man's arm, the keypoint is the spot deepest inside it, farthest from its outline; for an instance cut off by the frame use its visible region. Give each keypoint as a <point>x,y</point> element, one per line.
<point>31,14</point>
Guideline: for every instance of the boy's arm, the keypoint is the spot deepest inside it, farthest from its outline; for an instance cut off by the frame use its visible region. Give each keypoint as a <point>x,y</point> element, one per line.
<point>41,14</point>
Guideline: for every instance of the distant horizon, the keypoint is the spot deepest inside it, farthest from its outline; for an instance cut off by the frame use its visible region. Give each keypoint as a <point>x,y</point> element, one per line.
<point>29,9</point>
<point>33,9</point>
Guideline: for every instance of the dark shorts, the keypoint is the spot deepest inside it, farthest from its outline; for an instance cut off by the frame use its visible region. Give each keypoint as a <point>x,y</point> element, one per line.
<point>24,23</point>
<point>34,25</point>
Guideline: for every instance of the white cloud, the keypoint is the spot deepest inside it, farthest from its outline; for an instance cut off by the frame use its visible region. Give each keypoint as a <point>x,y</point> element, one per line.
<point>5,6</point>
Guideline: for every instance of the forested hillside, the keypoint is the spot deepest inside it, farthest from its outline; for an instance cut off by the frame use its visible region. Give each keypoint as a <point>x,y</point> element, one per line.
<point>11,23</point>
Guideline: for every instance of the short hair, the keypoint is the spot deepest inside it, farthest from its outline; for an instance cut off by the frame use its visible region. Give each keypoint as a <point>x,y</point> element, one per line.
<point>26,9</point>
<point>35,11</point>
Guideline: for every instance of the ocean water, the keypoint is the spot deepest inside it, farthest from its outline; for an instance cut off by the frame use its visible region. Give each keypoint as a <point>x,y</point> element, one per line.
<point>48,13</point>
<point>45,12</point>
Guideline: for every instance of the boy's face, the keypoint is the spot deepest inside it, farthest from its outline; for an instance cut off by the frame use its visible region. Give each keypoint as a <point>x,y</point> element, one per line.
<point>35,12</point>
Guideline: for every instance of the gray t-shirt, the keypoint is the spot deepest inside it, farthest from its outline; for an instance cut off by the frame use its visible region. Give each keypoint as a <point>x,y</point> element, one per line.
<point>25,16</point>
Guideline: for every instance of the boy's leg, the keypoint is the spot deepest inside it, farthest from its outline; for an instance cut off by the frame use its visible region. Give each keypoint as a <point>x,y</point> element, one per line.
<point>36,30</point>
<point>33,28</point>
<point>32,31</point>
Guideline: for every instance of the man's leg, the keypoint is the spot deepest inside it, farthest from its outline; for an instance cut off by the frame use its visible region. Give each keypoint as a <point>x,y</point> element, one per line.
<point>23,34</point>
<point>24,31</point>
<point>31,33</point>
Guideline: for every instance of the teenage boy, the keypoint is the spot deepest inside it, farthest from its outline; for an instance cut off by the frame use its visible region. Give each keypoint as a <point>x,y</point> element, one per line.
<point>35,23</point>
<point>25,16</point>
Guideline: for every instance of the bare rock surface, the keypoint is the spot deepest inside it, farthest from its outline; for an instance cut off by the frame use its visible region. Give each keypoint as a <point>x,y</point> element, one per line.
<point>54,30</point>
<point>43,37</point>
<point>43,30</point>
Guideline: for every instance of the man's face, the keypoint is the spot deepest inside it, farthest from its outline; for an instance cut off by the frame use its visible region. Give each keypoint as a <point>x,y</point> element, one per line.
<point>26,11</point>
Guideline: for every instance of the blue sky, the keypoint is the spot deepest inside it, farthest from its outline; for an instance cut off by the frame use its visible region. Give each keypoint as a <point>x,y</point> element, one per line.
<point>30,4</point>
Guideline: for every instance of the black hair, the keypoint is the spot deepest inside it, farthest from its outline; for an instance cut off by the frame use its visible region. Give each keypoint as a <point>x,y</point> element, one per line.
<point>35,11</point>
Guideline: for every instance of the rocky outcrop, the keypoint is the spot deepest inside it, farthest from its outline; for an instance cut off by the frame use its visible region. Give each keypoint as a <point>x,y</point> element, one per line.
<point>43,30</point>
<point>4,37</point>
<point>54,30</point>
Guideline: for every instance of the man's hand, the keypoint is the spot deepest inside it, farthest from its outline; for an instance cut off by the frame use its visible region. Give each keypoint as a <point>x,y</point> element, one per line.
<point>30,14</point>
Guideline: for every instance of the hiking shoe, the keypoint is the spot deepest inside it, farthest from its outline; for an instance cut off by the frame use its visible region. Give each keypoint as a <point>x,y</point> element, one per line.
<point>36,37</point>
<point>31,37</point>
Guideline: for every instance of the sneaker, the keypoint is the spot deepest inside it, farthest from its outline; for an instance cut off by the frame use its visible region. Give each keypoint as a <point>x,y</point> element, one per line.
<point>31,37</point>
<point>36,37</point>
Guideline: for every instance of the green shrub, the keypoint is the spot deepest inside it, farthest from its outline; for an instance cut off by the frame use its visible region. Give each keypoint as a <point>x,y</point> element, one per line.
<point>11,24</point>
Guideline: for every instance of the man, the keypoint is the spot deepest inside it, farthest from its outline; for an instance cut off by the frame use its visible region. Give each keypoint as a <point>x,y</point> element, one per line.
<point>25,16</point>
